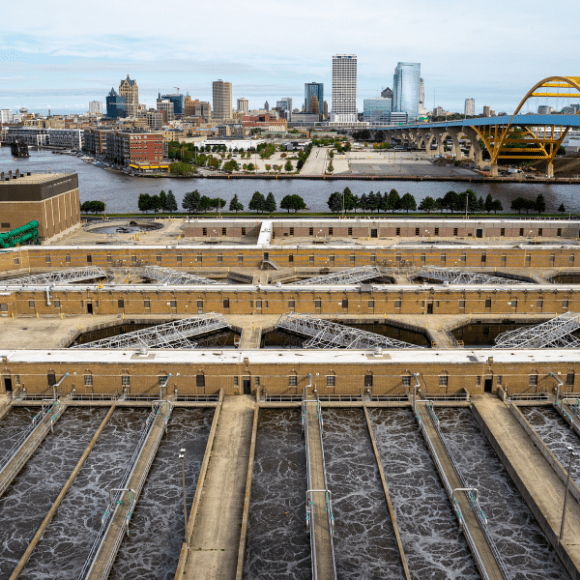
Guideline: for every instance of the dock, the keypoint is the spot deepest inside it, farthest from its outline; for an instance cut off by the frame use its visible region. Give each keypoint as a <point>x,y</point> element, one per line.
<point>318,496</point>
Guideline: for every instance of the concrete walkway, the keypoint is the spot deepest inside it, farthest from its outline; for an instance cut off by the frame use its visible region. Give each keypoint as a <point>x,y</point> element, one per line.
<point>216,534</point>
<point>534,477</point>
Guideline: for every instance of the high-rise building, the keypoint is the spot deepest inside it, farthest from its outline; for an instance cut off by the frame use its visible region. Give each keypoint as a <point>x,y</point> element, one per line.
<point>344,75</point>
<point>407,88</point>
<point>377,110</point>
<point>222,99</point>
<point>96,107</point>
<point>178,102</point>
<point>266,106</point>
<point>387,93</point>
<point>6,116</point>
<point>469,107</point>
<point>165,107</point>
<point>486,110</point>
<point>243,106</point>
<point>285,105</point>
<point>116,105</point>
<point>314,90</point>
<point>421,93</point>
<point>130,91</point>
<point>325,110</point>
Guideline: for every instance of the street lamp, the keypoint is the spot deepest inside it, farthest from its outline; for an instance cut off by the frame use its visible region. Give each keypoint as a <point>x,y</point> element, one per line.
<point>182,457</point>
<point>572,456</point>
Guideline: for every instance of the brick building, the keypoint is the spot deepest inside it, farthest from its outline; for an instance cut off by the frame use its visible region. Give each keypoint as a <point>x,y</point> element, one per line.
<point>127,148</point>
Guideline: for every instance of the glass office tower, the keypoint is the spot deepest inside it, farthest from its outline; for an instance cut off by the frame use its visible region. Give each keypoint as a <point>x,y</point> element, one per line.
<point>406,88</point>
<point>377,110</point>
<point>314,90</point>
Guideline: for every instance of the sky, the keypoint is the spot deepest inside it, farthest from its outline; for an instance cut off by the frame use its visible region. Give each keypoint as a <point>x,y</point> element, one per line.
<point>60,55</point>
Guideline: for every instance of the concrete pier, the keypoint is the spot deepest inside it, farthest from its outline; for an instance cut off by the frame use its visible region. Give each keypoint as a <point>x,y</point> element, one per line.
<point>107,551</point>
<point>28,447</point>
<point>318,502</point>
<point>536,480</point>
<point>216,533</point>
<point>445,466</point>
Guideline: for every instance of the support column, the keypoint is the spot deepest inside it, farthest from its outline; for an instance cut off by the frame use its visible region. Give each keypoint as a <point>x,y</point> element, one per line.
<point>550,169</point>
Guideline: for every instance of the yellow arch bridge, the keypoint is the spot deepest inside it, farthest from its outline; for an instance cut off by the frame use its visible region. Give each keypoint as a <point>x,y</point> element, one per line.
<point>519,137</point>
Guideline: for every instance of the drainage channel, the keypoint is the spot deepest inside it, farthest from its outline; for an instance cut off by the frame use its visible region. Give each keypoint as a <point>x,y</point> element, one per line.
<point>364,539</point>
<point>556,434</point>
<point>31,494</point>
<point>66,542</point>
<point>523,546</point>
<point>151,550</point>
<point>424,515</point>
<point>12,425</point>
<point>277,544</point>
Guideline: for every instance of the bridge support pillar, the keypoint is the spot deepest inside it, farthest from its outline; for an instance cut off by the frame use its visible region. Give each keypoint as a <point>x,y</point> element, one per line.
<point>493,171</point>
<point>550,169</point>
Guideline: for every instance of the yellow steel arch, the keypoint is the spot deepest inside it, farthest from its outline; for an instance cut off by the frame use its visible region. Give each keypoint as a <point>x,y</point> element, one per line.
<point>505,142</point>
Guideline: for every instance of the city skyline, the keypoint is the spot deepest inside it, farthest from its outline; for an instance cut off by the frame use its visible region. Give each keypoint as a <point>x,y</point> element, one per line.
<point>63,68</point>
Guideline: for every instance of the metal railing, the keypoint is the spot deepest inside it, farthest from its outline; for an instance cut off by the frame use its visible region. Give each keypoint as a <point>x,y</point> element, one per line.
<point>330,398</point>
<point>95,396</point>
<point>474,502</point>
<point>267,397</point>
<point>394,398</point>
<point>205,398</point>
<point>528,396</point>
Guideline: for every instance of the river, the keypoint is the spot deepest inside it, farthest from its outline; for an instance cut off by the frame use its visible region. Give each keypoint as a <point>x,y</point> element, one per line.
<point>121,192</point>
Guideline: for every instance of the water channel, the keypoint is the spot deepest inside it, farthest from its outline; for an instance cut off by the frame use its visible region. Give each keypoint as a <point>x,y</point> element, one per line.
<point>121,192</point>
<point>434,548</point>
<point>278,546</point>
<point>152,548</point>
<point>523,546</point>
<point>13,424</point>
<point>484,334</point>
<point>67,540</point>
<point>31,495</point>
<point>556,434</point>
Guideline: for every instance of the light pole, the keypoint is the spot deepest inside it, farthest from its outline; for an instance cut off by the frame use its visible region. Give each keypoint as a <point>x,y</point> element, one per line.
<point>572,456</point>
<point>182,457</point>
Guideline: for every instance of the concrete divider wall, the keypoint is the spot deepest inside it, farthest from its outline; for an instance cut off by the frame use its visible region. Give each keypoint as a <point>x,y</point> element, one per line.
<point>564,410</point>
<point>548,455</point>
<point>546,526</point>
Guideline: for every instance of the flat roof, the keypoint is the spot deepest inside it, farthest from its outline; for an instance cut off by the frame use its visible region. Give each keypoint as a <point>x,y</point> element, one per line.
<point>34,178</point>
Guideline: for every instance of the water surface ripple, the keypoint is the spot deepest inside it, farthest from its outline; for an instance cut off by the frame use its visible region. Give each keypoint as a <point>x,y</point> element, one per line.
<point>525,550</point>
<point>152,549</point>
<point>63,549</point>
<point>364,539</point>
<point>31,495</point>
<point>278,546</point>
<point>13,424</point>
<point>556,434</point>
<point>434,546</point>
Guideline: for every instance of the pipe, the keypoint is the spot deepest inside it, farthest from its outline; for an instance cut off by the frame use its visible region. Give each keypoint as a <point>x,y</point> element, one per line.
<point>48,295</point>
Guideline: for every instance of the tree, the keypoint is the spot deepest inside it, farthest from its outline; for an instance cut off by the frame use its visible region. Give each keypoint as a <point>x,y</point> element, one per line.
<point>162,199</point>
<point>540,204</point>
<point>236,205</point>
<point>217,202</point>
<point>294,202</point>
<point>330,167</point>
<point>408,202</point>
<point>257,202</point>
<point>288,166</point>
<point>170,202</point>
<point>467,199</point>
<point>268,167</point>
<point>518,204</point>
<point>497,206</point>
<point>480,204</point>
<point>561,150</point>
<point>428,204</point>
<point>451,202</point>
<point>270,204</point>
<point>206,203</point>
<point>156,203</point>
<point>562,209</point>
<point>334,202</point>
<point>145,202</point>
<point>488,203</point>
<point>86,207</point>
<point>180,168</point>
<point>191,201</point>
<point>98,206</point>
<point>394,200</point>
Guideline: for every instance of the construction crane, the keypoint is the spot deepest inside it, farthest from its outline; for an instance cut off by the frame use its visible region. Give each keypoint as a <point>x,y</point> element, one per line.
<point>177,89</point>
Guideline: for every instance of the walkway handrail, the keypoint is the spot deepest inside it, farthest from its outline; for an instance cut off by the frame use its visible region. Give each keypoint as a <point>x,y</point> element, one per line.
<point>474,502</point>
<point>450,494</point>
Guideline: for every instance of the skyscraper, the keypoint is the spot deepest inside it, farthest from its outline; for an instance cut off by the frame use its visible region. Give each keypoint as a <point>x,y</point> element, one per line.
<point>407,88</point>
<point>377,110</point>
<point>130,91</point>
<point>344,74</point>
<point>116,105</point>
<point>286,106</point>
<point>178,102</point>
<point>222,99</point>
<point>469,107</point>
<point>96,107</point>
<point>486,110</point>
<point>314,90</point>
<point>243,106</point>
<point>266,106</point>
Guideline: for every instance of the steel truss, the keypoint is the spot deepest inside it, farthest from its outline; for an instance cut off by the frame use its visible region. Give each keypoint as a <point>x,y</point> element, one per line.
<point>326,334</point>
<point>176,334</point>
<point>555,333</point>
<point>456,276</point>
<point>351,276</point>
<point>58,277</point>
<point>169,277</point>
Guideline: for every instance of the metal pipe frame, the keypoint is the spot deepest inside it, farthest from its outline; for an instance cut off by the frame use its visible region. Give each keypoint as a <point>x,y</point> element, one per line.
<point>457,276</point>
<point>170,277</point>
<point>352,276</point>
<point>58,277</point>
<point>326,334</point>
<point>174,335</point>
<point>555,333</point>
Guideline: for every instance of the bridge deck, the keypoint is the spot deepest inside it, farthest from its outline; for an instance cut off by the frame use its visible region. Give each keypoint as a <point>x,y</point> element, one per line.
<point>534,477</point>
<point>323,558</point>
<point>487,558</point>
<point>112,540</point>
